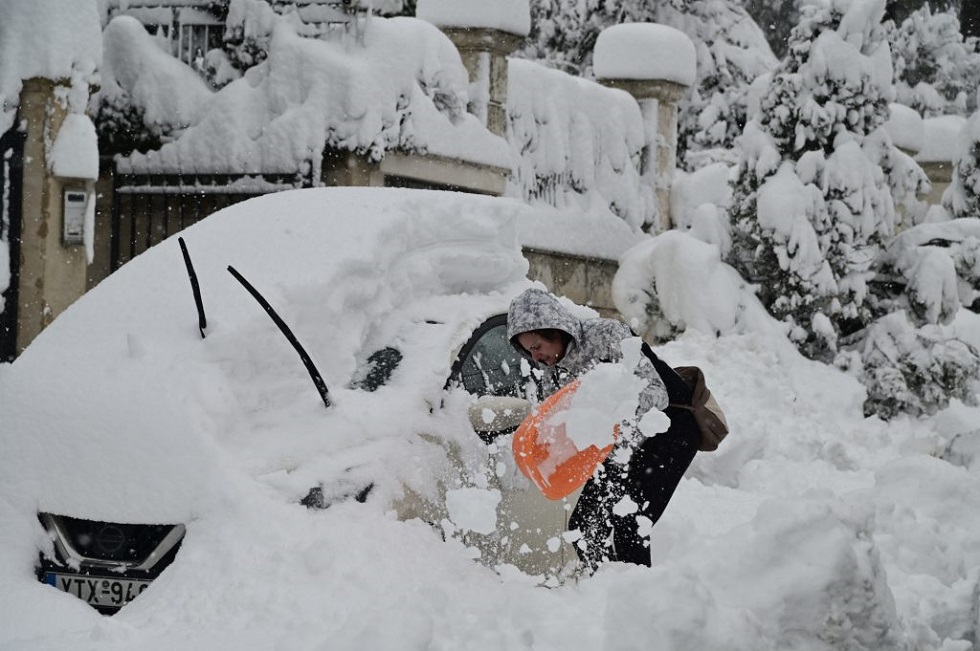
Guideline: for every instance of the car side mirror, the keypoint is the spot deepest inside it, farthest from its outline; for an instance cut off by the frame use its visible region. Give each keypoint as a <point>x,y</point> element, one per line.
<point>492,416</point>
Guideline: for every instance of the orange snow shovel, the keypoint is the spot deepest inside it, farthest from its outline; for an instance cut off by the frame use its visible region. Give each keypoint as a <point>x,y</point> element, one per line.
<point>547,456</point>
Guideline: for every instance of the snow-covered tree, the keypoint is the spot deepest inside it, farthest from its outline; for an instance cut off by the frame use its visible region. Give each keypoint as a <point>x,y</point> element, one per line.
<point>916,370</point>
<point>937,71</point>
<point>930,271</point>
<point>812,204</point>
<point>248,28</point>
<point>731,53</point>
<point>962,197</point>
<point>777,20</point>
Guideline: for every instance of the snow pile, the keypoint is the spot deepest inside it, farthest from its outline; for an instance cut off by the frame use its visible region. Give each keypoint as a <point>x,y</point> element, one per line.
<point>941,140</point>
<point>811,527</point>
<point>905,127</point>
<point>400,86</point>
<point>137,72</point>
<point>575,145</point>
<point>27,32</point>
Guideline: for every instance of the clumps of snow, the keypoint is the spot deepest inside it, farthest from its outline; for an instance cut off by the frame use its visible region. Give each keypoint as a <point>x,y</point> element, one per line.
<point>473,509</point>
<point>906,128</point>
<point>607,395</point>
<point>645,51</point>
<point>675,282</point>
<point>512,16</point>
<point>75,151</point>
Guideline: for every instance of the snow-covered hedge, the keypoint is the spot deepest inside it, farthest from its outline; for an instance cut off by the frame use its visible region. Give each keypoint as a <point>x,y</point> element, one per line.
<point>398,85</point>
<point>576,143</point>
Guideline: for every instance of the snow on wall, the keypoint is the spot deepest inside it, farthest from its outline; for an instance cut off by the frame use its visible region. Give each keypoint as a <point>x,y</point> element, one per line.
<point>575,143</point>
<point>402,86</point>
<point>50,39</point>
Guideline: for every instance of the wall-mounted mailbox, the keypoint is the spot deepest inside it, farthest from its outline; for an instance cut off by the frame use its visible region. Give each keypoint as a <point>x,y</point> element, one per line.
<point>76,202</point>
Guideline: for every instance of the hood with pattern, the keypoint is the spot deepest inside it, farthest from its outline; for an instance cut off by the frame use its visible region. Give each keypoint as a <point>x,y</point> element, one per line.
<point>536,309</point>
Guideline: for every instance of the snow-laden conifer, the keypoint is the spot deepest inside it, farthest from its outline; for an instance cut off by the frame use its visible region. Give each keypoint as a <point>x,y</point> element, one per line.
<point>937,71</point>
<point>812,203</point>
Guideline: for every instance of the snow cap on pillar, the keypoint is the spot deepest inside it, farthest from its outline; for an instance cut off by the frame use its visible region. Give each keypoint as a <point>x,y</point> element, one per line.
<point>513,16</point>
<point>644,51</point>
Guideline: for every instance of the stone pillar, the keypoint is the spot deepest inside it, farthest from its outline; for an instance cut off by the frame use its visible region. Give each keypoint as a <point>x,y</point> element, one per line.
<point>52,274</point>
<point>484,52</point>
<point>655,64</point>
<point>658,101</point>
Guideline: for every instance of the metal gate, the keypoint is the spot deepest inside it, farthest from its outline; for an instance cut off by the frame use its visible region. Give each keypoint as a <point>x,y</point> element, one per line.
<point>148,208</point>
<point>11,192</point>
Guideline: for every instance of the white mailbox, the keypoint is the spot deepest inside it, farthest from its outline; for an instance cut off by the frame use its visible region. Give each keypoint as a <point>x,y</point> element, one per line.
<point>76,203</point>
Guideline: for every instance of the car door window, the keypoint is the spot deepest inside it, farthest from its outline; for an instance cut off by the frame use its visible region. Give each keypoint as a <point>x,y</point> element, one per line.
<point>489,365</point>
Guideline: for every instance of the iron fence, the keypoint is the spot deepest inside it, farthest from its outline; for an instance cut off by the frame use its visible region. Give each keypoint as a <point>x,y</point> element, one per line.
<point>148,208</point>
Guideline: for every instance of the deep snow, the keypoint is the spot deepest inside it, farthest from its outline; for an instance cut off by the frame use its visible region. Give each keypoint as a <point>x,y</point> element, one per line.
<point>811,528</point>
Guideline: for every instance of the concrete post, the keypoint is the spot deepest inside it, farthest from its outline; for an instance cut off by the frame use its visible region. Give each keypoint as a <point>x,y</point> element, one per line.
<point>658,100</point>
<point>52,274</point>
<point>484,52</point>
<point>655,64</point>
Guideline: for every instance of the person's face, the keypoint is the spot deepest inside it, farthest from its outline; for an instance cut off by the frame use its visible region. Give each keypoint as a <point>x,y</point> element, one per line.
<point>541,350</point>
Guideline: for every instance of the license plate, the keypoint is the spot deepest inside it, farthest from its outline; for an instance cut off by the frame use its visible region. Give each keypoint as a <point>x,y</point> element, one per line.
<point>98,590</point>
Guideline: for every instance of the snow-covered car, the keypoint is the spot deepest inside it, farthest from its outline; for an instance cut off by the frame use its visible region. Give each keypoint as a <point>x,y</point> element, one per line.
<point>310,347</point>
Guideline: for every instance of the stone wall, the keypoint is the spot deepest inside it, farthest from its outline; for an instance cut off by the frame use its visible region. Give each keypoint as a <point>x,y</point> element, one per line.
<point>584,280</point>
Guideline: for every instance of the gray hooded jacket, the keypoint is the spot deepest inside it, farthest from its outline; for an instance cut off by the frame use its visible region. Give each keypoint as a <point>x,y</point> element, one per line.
<point>593,341</point>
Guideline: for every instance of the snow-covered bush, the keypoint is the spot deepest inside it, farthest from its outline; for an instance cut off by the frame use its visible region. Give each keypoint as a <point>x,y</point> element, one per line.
<point>931,271</point>
<point>699,203</point>
<point>248,28</point>
<point>121,127</point>
<point>936,69</point>
<point>403,88</point>
<point>916,371</point>
<point>673,282</point>
<point>909,182</point>
<point>575,142</point>
<point>962,197</point>
<point>147,96</point>
<point>812,203</point>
